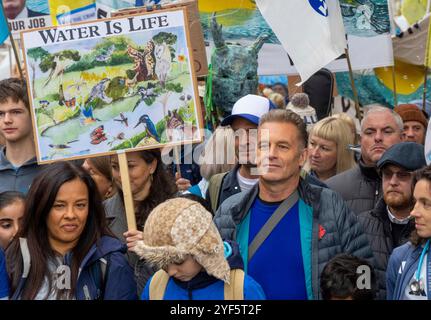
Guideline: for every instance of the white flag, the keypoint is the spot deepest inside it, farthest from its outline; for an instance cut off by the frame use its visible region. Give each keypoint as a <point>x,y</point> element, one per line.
<point>311,31</point>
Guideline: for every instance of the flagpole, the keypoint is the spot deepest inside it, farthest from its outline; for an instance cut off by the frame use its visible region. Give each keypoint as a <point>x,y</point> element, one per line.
<point>424,97</point>
<point>12,42</point>
<point>352,82</point>
<point>395,86</point>
<point>426,65</point>
<point>10,59</point>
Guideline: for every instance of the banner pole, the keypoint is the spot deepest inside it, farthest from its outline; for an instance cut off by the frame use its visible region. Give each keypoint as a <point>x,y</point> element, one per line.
<point>395,86</point>
<point>177,151</point>
<point>424,97</point>
<point>12,42</point>
<point>127,191</point>
<point>352,82</point>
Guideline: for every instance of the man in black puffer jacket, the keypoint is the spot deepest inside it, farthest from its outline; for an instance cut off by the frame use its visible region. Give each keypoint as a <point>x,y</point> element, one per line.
<point>361,186</point>
<point>314,224</point>
<point>388,225</point>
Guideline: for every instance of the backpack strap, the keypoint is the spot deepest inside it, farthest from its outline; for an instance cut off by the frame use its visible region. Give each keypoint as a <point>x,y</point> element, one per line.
<point>103,271</point>
<point>271,223</point>
<point>235,289</point>
<point>158,285</point>
<point>214,189</point>
<point>99,271</point>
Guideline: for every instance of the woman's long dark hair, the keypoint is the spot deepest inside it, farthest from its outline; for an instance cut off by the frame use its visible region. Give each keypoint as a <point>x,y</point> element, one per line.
<point>40,200</point>
<point>163,187</point>
<point>422,174</point>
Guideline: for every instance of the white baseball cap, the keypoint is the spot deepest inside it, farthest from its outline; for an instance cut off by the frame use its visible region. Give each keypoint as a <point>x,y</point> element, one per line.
<point>250,107</point>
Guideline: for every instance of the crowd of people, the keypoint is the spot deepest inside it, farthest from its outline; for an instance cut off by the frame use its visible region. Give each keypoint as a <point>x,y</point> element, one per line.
<point>284,209</point>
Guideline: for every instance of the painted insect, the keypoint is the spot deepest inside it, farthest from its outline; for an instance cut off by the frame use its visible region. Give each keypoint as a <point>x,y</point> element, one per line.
<point>98,135</point>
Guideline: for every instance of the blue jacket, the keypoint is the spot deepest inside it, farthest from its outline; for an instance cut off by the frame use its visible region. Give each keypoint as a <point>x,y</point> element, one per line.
<point>205,287</point>
<point>327,227</point>
<point>4,283</point>
<point>119,282</point>
<point>402,265</point>
<point>17,179</point>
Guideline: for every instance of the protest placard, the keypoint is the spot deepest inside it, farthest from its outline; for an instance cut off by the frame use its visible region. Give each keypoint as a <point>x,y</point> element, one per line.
<point>116,84</point>
<point>196,36</point>
<point>26,14</point>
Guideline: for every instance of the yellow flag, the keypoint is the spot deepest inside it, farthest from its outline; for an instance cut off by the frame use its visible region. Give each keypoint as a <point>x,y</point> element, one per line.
<point>69,11</point>
<point>221,5</point>
<point>427,61</point>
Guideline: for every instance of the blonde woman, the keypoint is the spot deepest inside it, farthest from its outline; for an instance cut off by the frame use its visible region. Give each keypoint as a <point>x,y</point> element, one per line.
<point>328,152</point>
<point>218,156</point>
<point>349,120</point>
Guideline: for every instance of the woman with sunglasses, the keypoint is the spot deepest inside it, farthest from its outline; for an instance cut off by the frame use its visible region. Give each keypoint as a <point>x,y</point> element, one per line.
<point>408,275</point>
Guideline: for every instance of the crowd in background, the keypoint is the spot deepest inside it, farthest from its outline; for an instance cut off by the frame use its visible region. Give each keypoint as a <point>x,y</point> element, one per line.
<point>282,205</point>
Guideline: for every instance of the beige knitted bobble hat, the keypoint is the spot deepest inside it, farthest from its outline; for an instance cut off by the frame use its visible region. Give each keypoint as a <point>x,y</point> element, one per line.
<point>179,227</point>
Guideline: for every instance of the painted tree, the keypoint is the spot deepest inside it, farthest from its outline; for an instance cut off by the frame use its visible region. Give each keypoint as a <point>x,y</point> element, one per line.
<point>57,64</point>
<point>166,92</point>
<point>36,55</point>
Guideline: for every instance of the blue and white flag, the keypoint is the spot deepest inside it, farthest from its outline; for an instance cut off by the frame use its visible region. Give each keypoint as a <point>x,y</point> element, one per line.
<point>311,31</point>
<point>4,30</point>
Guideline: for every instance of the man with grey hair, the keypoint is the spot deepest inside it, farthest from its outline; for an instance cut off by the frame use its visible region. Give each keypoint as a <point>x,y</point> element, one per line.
<point>361,186</point>
<point>288,229</point>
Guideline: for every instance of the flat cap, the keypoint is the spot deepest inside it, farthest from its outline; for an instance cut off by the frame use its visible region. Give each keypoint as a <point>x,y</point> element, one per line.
<point>408,155</point>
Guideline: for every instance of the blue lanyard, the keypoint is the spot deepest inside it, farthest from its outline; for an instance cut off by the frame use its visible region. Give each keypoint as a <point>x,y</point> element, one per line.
<point>421,259</point>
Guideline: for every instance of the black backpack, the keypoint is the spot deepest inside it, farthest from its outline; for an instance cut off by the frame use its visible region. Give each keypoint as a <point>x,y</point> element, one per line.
<point>319,88</point>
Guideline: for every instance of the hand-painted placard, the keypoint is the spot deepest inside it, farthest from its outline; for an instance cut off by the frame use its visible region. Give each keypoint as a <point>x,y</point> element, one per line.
<point>114,84</point>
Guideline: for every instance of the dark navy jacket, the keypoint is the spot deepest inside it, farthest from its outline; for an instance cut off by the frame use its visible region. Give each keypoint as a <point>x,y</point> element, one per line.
<point>118,282</point>
<point>4,284</point>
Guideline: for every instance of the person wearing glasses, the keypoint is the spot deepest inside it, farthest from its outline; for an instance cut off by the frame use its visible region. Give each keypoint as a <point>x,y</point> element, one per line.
<point>389,224</point>
<point>409,267</point>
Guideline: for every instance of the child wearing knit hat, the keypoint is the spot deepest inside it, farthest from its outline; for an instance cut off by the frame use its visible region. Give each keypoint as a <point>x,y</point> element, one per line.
<point>300,104</point>
<point>181,239</point>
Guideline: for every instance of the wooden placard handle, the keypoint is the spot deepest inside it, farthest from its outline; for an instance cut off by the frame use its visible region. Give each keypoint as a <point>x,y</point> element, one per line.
<point>127,191</point>
<point>177,150</point>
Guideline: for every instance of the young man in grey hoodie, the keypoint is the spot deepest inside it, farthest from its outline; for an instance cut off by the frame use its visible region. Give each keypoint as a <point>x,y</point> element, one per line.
<point>18,164</point>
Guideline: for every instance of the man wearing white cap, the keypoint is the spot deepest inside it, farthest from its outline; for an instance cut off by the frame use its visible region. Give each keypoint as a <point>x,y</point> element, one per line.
<point>244,119</point>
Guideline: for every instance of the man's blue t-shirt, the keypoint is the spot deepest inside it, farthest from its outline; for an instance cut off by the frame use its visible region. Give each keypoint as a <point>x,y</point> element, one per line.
<point>4,285</point>
<point>278,265</point>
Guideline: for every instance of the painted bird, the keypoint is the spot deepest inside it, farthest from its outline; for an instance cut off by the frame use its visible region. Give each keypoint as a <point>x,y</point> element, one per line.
<point>145,93</point>
<point>123,119</point>
<point>150,128</point>
<point>98,91</point>
<point>87,112</point>
<point>105,56</point>
<point>62,145</point>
